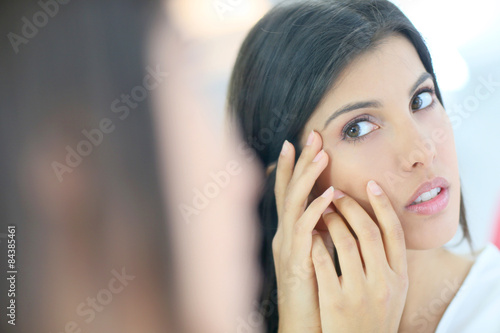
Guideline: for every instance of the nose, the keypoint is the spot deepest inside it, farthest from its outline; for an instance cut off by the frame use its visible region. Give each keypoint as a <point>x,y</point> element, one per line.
<point>417,149</point>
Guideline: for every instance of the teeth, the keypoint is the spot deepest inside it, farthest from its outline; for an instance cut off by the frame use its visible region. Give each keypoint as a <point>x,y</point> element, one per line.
<point>427,195</point>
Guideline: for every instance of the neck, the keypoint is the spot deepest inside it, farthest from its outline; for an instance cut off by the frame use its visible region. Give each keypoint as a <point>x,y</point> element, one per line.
<point>434,278</point>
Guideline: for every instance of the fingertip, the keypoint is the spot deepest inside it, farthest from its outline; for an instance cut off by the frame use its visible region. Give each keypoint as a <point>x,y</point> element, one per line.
<point>328,192</point>
<point>285,148</point>
<point>338,194</point>
<point>310,138</point>
<point>374,188</point>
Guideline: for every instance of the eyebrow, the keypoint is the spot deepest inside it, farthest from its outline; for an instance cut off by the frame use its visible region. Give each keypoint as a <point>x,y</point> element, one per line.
<point>375,103</point>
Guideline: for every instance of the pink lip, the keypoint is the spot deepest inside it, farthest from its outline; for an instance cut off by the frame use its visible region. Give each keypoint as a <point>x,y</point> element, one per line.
<point>435,205</point>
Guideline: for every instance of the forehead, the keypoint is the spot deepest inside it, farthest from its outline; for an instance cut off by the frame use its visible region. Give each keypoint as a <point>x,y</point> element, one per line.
<point>387,70</point>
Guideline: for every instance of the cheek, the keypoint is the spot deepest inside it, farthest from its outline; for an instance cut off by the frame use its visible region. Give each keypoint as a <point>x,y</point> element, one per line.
<point>351,167</point>
<point>448,159</point>
<point>444,139</point>
<point>351,171</point>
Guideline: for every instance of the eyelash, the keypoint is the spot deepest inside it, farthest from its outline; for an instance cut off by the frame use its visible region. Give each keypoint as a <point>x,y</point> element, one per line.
<point>367,118</point>
<point>351,124</point>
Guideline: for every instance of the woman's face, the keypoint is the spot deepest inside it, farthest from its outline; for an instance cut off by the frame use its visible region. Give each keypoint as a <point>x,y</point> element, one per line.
<point>404,138</point>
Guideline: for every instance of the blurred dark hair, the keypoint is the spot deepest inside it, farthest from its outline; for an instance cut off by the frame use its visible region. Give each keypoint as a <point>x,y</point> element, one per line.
<point>285,66</point>
<point>58,83</point>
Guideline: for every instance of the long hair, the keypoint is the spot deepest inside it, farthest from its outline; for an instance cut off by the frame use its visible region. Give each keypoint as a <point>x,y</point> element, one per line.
<point>286,65</point>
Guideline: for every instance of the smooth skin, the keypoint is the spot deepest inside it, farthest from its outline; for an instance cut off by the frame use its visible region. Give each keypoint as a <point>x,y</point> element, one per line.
<point>374,279</point>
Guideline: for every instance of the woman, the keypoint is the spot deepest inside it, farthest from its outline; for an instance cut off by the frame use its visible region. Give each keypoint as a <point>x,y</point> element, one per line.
<point>343,94</point>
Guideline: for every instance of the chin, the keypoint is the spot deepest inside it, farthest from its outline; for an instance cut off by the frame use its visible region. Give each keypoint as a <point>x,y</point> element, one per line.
<point>428,234</point>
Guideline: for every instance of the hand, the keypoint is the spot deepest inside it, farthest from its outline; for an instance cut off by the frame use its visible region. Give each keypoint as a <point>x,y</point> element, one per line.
<point>298,303</point>
<point>370,294</point>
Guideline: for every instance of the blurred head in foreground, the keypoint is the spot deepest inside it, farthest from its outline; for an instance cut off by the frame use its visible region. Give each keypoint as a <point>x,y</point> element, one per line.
<point>92,189</point>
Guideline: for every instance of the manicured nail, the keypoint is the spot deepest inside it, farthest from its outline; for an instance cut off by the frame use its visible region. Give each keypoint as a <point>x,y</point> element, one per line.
<point>338,194</point>
<point>310,139</point>
<point>374,188</point>
<point>285,148</point>
<point>319,156</point>
<point>328,192</point>
<point>328,210</point>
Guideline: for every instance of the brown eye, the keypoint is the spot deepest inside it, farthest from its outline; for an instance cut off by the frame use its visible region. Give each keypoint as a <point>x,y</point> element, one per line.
<point>417,103</point>
<point>353,131</point>
<point>358,129</point>
<point>422,100</point>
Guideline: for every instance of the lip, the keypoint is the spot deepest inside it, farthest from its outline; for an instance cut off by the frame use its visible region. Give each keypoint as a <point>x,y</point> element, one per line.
<point>436,204</point>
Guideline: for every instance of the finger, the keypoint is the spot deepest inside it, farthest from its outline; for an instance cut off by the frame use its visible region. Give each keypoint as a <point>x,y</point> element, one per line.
<point>326,275</point>
<point>308,152</point>
<point>392,231</point>
<point>366,230</point>
<point>284,172</point>
<point>304,226</point>
<point>327,240</point>
<point>346,248</point>
<point>301,185</point>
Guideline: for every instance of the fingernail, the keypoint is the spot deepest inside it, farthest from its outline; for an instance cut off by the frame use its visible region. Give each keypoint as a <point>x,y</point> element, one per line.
<point>310,139</point>
<point>338,194</point>
<point>374,188</point>
<point>315,232</point>
<point>285,147</point>
<point>319,156</point>
<point>328,210</point>
<point>328,192</point>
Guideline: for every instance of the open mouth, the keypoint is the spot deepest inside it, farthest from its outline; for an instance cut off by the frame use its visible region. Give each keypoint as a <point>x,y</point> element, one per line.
<point>424,197</point>
<point>430,202</point>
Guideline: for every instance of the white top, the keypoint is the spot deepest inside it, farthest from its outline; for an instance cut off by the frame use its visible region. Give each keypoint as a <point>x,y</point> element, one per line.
<point>476,306</point>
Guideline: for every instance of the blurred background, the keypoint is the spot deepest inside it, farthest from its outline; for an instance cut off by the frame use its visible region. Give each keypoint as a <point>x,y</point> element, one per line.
<point>124,222</point>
